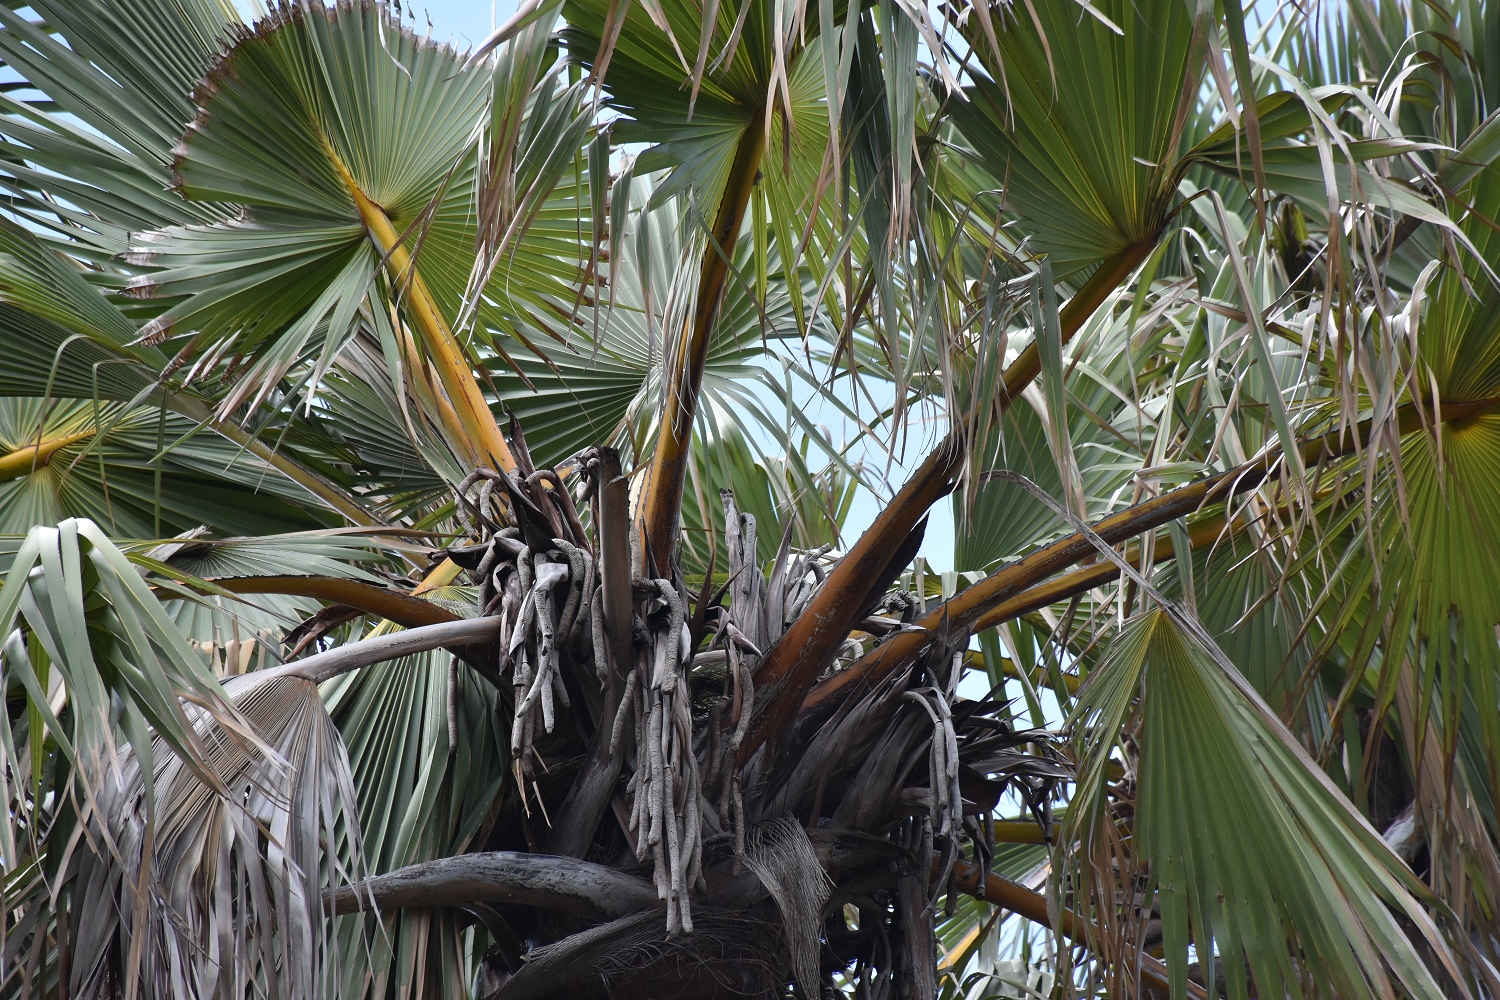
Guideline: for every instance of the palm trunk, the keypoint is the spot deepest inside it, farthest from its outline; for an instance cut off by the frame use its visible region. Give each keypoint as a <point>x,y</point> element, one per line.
<point>661,505</point>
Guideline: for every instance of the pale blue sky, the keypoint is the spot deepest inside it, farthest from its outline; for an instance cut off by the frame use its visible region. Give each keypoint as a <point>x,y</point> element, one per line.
<point>466,22</point>
<point>463,22</point>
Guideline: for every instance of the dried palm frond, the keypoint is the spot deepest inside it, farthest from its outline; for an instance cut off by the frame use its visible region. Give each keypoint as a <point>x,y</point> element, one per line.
<point>198,891</point>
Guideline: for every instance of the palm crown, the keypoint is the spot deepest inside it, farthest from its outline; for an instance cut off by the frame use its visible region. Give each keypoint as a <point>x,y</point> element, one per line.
<point>428,576</point>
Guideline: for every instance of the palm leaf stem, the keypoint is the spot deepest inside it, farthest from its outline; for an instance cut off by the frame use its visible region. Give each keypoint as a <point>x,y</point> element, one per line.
<point>792,667</point>
<point>428,391</point>
<point>392,605</point>
<point>1201,534</point>
<point>1018,831</point>
<point>545,881</point>
<point>23,461</point>
<point>1071,317</point>
<point>325,490</point>
<point>441,575</point>
<point>1004,893</point>
<point>458,634</point>
<point>662,499</point>
<point>967,610</point>
<point>403,609</point>
<point>482,436</point>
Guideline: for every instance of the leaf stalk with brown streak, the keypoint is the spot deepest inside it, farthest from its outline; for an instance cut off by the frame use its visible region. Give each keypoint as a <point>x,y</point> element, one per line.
<point>1013,590</point>
<point>484,442</point>
<point>24,460</point>
<point>395,605</point>
<point>794,664</point>
<point>662,499</point>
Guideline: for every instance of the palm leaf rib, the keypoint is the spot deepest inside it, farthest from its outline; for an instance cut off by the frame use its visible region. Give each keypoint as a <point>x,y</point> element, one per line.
<point>383,602</point>
<point>476,428</point>
<point>318,485</point>
<point>23,461</point>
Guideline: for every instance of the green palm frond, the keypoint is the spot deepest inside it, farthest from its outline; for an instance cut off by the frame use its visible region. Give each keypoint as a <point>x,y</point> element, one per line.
<point>80,344</point>
<point>424,793</point>
<point>118,643</point>
<point>1255,622</point>
<point>89,161</point>
<point>694,128</point>
<point>75,458</point>
<point>606,389</point>
<point>299,125</point>
<point>1089,160</point>
<point>1426,561</point>
<point>288,121</point>
<point>1283,881</point>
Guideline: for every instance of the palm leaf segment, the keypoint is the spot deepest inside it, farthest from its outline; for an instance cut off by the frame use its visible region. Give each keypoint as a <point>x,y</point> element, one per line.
<point>752,99</point>
<point>1286,857</point>
<point>94,185</point>
<point>1426,566</point>
<point>75,458</point>
<point>1084,125</point>
<point>153,799</point>
<point>351,143</point>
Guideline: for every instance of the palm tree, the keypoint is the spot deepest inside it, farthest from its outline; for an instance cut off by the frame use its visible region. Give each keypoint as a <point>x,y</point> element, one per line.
<point>428,574</point>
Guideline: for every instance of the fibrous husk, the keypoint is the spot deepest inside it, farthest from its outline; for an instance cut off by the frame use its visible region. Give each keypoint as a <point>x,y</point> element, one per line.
<point>781,856</point>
